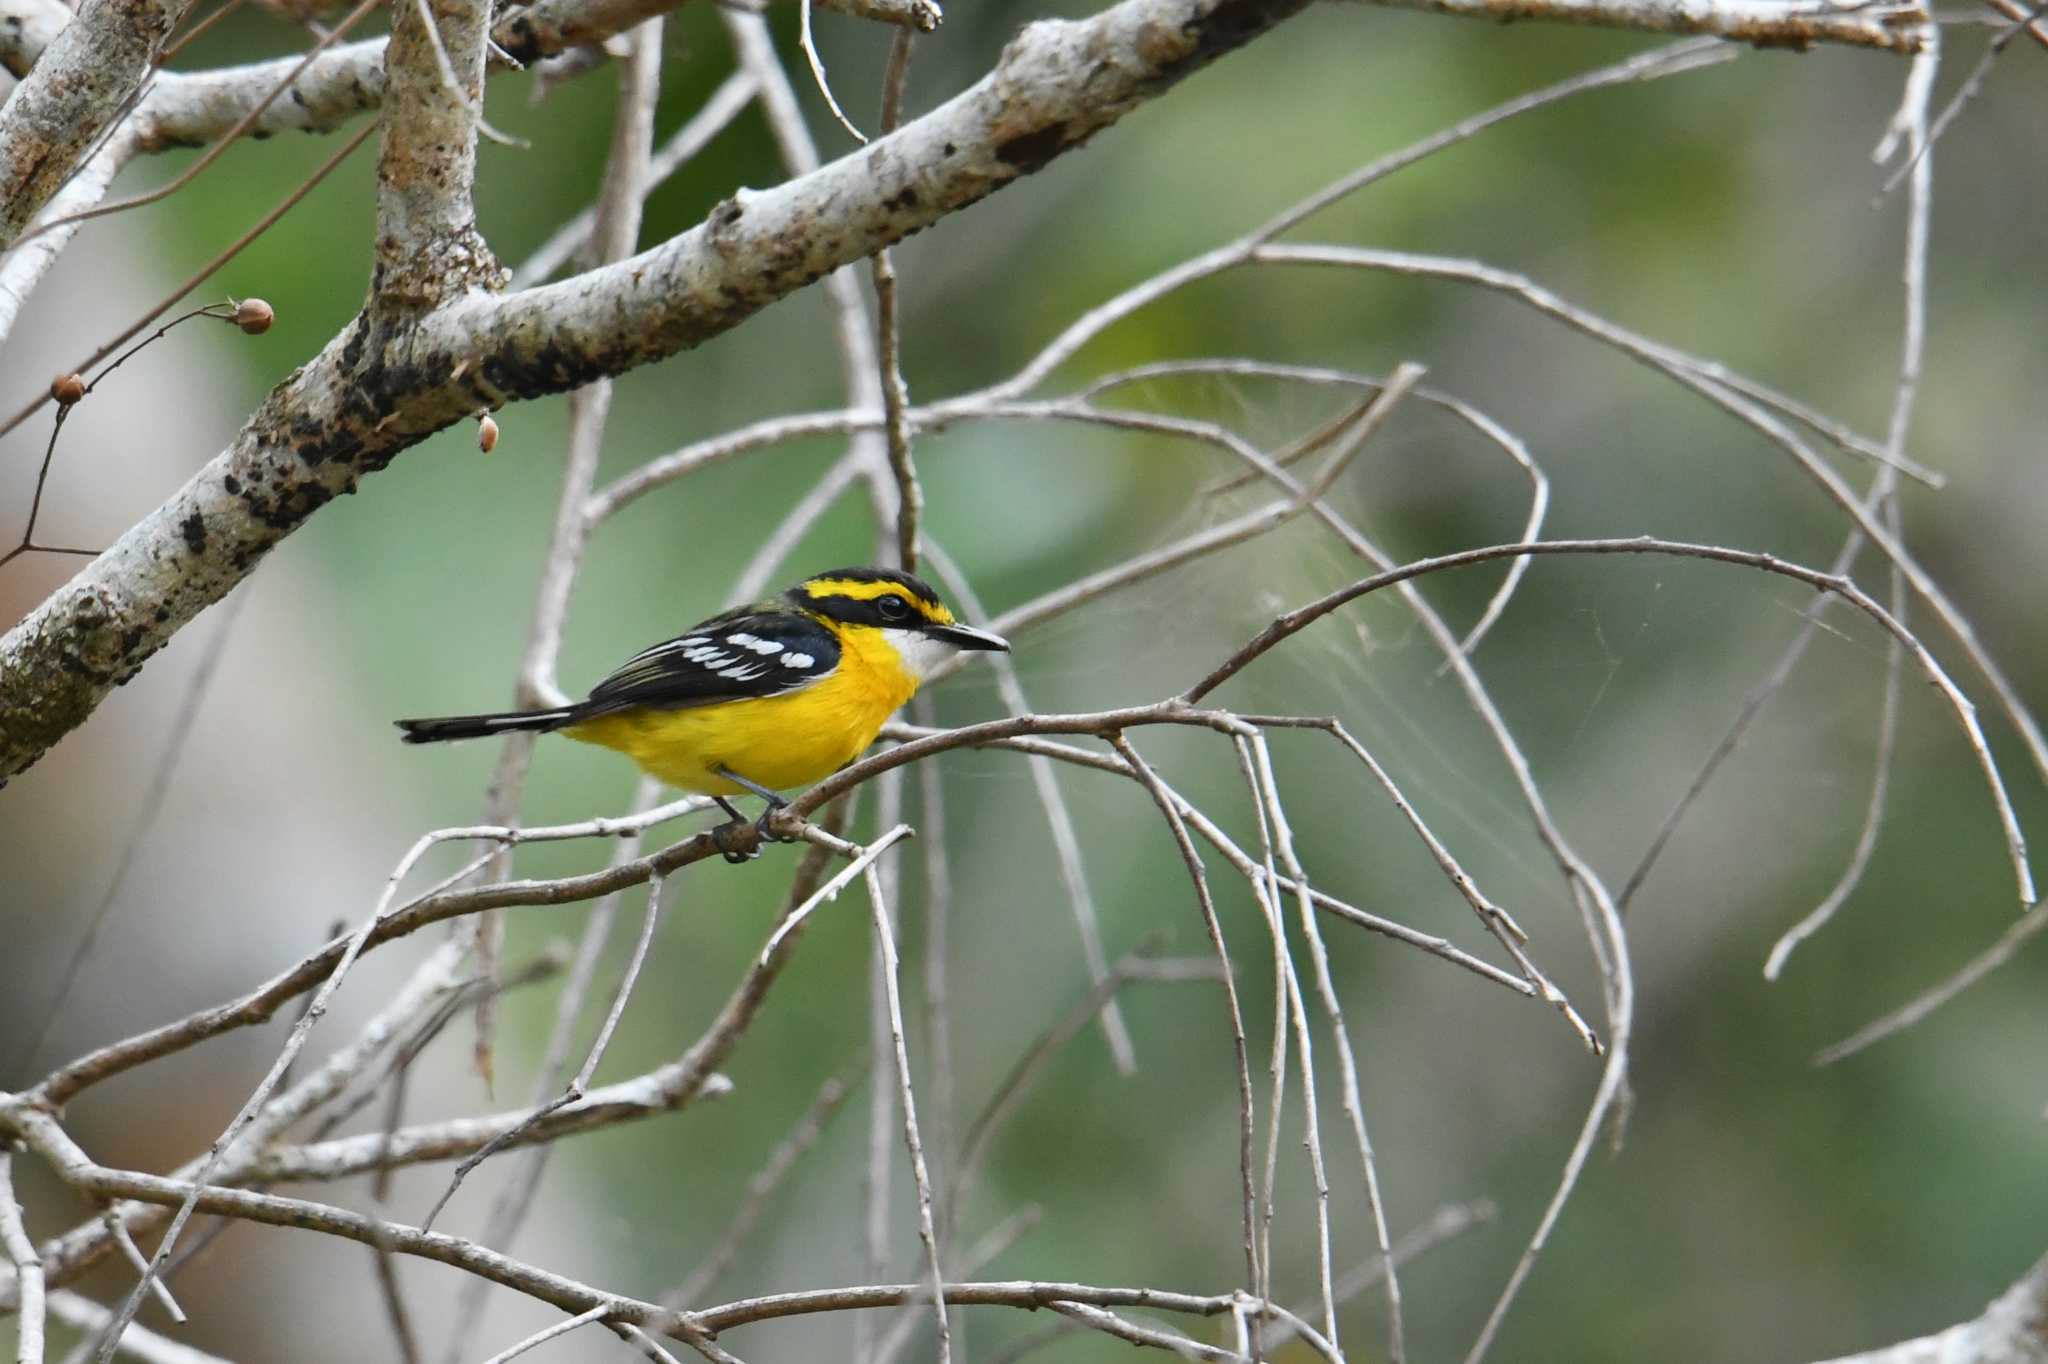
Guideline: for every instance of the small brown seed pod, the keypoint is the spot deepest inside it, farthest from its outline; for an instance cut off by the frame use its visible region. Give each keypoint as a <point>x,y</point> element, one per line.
<point>487,433</point>
<point>67,388</point>
<point>254,316</point>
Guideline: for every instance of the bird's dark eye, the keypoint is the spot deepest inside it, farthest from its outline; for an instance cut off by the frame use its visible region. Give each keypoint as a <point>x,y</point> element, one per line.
<point>892,607</point>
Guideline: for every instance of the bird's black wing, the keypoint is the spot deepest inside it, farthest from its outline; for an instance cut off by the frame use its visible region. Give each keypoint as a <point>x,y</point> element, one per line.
<point>745,653</point>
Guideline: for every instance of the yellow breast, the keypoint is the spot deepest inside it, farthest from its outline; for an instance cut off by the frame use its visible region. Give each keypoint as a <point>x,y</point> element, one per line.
<point>777,741</point>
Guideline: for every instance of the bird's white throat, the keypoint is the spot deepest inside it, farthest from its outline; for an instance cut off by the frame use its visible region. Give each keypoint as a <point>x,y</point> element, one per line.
<point>921,653</point>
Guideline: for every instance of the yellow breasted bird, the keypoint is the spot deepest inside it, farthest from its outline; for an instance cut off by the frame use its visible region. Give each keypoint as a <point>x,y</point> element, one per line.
<point>761,698</point>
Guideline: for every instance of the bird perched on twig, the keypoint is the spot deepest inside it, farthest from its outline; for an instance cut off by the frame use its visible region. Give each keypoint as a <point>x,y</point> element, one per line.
<point>760,698</point>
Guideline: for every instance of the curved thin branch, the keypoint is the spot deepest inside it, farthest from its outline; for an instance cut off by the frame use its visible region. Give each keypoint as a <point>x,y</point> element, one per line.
<point>658,1091</point>
<point>1896,28</point>
<point>1966,713</point>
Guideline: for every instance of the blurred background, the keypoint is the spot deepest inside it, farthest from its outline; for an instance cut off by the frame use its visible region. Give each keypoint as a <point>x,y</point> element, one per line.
<point>1759,1208</point>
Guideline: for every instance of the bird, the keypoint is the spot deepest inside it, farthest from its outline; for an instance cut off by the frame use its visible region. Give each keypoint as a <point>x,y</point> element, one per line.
<point>761,698</point>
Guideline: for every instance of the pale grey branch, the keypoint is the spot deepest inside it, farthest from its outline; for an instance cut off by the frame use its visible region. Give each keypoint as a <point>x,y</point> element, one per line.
<point>1795,24</point>
<point>2013,1330</point>
<point>77,89</point>
<point>658,1091</point>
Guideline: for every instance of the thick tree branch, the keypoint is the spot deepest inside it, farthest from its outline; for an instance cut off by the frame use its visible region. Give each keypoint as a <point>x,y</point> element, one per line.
<point>27,28</point>
<point>23,268</point>
<point>376,390</point>
<point>74,93</point>
<point>192,108</point>
<point>428,248</point>
<point>2013,1330</point>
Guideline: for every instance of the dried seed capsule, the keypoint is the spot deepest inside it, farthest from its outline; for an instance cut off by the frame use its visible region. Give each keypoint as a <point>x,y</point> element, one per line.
<point>254,316</point>
<point>67,388</point>
<point>487,433</point>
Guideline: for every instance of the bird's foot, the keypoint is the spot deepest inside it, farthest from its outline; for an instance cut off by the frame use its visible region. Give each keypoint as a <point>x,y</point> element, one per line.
<point>731,838</point>
<point>764,826</point>
<point>728,836</point>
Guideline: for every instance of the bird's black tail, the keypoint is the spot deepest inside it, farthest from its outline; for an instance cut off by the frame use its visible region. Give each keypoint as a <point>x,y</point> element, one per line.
<point>445,727</point>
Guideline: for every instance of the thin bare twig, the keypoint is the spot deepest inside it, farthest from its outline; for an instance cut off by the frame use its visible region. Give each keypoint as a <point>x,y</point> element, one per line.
<point>1066,839</point>
<point>1841,587</point>
<point>1910,130</point>
<point>198,30</point>
<point>153,806</point>
<point>1506,441</point>
<point>578,1087</point>
<point>621,199</point>
<point>1701,378</point>
<point>889,340</point>
<point>543,1336</point>
<point>920,1176</point>
<point>831,1095</point>
<point>937,903</point>
<point>28,1266</point>
<point>227,139</point>
<point>726,103</point>
<point>431,979</point>
<point>1448,1223</point>
<point>884,1125</point>
<point>138,1342</point>
<point>1918,1008</point>
<point>1008,1092</point>
<point>206,271</point>
<point>515,1196</point>
<point>1272,821</point>
<point>1602,917</point>
<point>970,1261</point>
<point>1109,1323</point>
<point>403,1335</point>
<point>1354,1104</point>
<point>1212,834</point>
<point>132,1253</point>
<point>793,920</point>
<point>1193,861</point>
<point>817,65</point>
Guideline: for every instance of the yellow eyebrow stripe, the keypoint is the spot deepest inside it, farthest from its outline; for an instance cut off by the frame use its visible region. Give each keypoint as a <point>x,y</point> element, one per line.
<point>869,591</point>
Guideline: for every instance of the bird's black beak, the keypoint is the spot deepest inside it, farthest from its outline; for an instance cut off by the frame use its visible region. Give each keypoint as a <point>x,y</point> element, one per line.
<point>967,637</point>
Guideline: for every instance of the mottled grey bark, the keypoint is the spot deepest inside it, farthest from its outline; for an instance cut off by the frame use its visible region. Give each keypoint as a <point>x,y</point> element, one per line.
<point>27,28</point>
<point>428,249</point>
<point>70,96</point>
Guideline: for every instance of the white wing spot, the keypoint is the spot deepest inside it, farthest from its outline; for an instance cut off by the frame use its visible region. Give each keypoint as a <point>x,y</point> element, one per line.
<point>797,660</point>
<point>744,673</point>
<point>708,656</point>
<point>694,639</point>
<point>759,646</point>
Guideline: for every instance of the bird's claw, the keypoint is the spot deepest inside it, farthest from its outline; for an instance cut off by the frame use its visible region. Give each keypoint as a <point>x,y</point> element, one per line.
<point>767,834</point>
<point>722,839</point>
